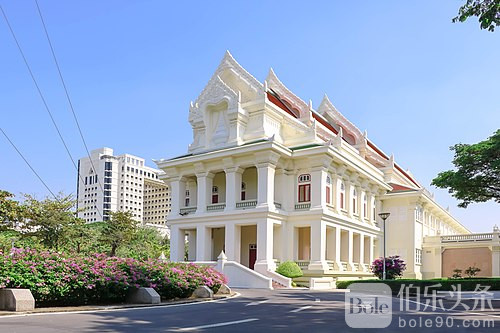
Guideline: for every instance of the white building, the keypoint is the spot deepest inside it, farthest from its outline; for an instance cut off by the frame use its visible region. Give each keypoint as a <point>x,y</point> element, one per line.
<point>109,183</point>
<point>268,178</point>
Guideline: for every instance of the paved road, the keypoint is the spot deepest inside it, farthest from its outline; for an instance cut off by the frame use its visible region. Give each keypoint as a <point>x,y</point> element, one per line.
<point>254,311</point>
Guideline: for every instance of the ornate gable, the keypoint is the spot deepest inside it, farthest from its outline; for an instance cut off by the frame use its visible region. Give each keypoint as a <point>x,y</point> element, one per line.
<point>328,110</point>
<point>295,102</point>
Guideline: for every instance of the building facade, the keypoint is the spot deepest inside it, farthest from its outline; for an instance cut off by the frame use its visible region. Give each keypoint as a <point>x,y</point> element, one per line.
<point>268,178</point>
<point>108,183</point>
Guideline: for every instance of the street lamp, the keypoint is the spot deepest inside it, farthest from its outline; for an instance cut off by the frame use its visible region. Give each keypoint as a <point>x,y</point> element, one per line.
<point>384,217</point>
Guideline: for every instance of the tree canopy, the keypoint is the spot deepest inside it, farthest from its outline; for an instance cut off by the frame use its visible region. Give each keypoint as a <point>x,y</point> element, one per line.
<point>487,11</point>
<point>477,174</point>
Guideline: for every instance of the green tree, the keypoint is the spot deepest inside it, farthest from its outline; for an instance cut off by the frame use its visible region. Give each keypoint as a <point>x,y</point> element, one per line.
<point>146,243</point>
<point>11,211</point>
<point>50,220</point>
<point>120,229</point>
<point>477,178</point>
<point>488,12</point>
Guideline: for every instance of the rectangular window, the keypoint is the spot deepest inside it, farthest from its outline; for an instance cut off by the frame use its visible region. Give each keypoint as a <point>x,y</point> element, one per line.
<point>107,206</point>
<point>243,195</point>
<point>342,201</point>
<point>107,186</point>
<point>305,193</point>
<point>187,202</point>
<point>107,193</point>
<point>328,194</point>
<point>108,174</point>
<point>85,180</point>
<point>107,199</point>
<point>108,166</point>
<point>418,256</point>
<point>107,180</point>
<point>215,198</point>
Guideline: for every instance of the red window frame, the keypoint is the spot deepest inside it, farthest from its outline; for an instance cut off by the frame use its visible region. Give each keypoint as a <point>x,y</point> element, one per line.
<point>328,194</point>
<point>304,194</point>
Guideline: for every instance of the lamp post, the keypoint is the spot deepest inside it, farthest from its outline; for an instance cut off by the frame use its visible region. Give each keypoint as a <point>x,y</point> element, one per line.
<point>384,217</point>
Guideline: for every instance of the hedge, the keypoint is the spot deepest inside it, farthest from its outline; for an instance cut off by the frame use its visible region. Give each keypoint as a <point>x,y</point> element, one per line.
<point>467,284</point>
<point>56,279</point>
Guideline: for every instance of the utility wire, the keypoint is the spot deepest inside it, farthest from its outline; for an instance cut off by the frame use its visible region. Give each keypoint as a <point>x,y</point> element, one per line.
<point>28,163</point>
<point>42,97</point>
<point>66,90</point>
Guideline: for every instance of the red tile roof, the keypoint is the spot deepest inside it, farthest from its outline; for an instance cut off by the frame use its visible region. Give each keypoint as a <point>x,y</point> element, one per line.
<point>400,188</point>
<point>279,103</point>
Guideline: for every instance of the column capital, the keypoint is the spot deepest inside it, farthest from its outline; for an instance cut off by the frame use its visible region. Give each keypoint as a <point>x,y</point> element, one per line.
<point>267,157</point>
<point>235,169</point>
<point>206,174</point>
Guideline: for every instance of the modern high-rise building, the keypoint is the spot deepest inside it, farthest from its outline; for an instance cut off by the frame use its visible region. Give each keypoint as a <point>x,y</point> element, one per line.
<point>108,183</point>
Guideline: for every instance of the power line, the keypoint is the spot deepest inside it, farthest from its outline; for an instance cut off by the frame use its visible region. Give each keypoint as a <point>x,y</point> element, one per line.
<point>66,90</point>
<point>42,96</point>
<point>28,163</point>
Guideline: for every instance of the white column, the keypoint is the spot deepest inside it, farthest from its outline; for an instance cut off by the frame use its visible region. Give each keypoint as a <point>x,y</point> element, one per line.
<point>203,244</point>
<point>330,244</point>
<point>233,242</point>
<point>372,250</point>
<point>205,181</point>
<point>265,260</point>
<point>361,251</point>
<point>192,245</point>
<point>338,248</point>
<point>233,187</point>
<point>176,243</point>
<point>176,195</point>
<point>265,191</point>
<point>350,251</point>
<point>288,195</point>
<point>318,187</point>
<point>318,247</point>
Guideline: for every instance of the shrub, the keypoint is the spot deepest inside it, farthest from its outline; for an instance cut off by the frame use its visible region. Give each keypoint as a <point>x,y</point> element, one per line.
<point>394,267</point>
<point>56,279</point>
<point>457,274</point>
<point>472,271</point>
<point>289,269</point>
<point>446,284</point>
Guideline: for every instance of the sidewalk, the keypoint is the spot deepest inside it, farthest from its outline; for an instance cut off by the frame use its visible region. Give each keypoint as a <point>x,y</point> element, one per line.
<point>84,308</point>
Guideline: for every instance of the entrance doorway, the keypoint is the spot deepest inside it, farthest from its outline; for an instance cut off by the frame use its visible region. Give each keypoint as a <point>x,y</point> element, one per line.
<point>252,255</point>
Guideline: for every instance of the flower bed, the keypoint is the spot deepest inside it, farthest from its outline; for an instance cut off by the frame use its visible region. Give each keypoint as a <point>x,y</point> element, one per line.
<point>56,279</point>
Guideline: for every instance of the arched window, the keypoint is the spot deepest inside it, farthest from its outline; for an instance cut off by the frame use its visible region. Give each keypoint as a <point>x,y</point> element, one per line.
<point>186,201</point>
<point>354,201</point>
<point>328,189</point>
<point>304,189</point>
<point>243,191</point>
<point>365,206</point>
<point>342,195</point>
<point>215,194</point>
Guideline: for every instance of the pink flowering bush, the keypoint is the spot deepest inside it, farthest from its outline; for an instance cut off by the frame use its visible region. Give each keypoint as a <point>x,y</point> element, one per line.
<point>56,279</point>
<point>394,267</point>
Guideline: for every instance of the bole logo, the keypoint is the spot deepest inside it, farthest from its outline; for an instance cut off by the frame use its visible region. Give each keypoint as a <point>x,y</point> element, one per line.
<point>368,305</point>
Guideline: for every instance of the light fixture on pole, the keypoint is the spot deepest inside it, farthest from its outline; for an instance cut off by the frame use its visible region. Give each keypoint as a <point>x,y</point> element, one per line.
<point>384,217</point>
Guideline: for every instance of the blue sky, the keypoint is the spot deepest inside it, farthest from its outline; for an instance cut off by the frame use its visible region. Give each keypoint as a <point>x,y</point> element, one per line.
<point>399,69</point>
